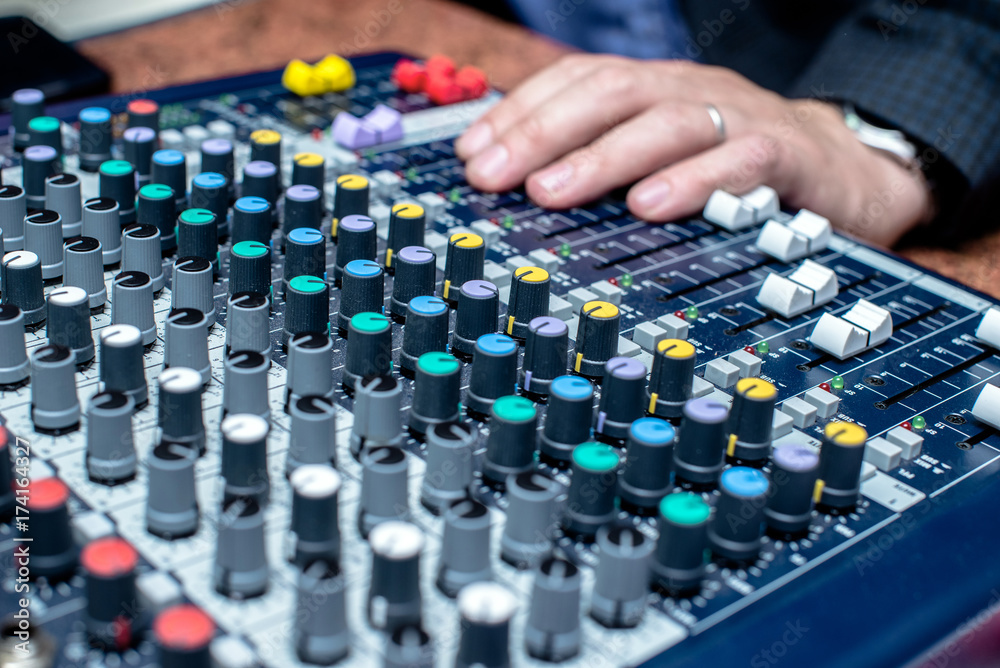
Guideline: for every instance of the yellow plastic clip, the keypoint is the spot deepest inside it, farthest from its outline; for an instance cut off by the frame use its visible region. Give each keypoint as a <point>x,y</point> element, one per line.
<point>302,79</point>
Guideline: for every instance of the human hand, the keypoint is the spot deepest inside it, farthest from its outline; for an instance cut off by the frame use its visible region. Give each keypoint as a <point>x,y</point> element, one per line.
<point>591,123</point>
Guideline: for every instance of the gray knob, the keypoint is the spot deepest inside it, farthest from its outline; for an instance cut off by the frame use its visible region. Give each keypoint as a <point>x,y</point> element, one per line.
<point>192,286</point>
<point>486,609</point>
<point>141,252</point>
<point>247,324</point>
<point>240,558</point>
<point>84,269</point>
<point>384,477</point>
<point>244,458</point>
<point>62,195</point>
<point>245,386</point>
<point>315,532</point>
<point>101,222</point>
<point>377,414</point>
<point>394,599</point>
<point>465,547</point>
<point>43,237</point>
<point>321,636</point>
<point>132,303</point>
<point>121,364</point>
<point>110,449</point>
<point>619,596</point>
<point>533,512</point>
<point>68,322</point>
<point>409,647</point>
<point>553,629</point>
<point>21,280</point>
<point>179,408</point>
<point>185,336</point>
<point>313,437</point>
<point>55,407</point>
<point>310,365</point>
<point>172,505</point>
<point>13,355</point>
<point>449,465</point>
<point>13,209</point>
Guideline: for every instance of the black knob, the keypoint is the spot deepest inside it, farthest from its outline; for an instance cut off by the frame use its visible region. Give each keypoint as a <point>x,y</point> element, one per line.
<point>310,364</point>
<point>700,450</point>
<point>369,348</point>
<point>198,236</point>
<point>183,635</point>
<point>307,307</point>
<point>250,268</point>
<point>567,420</point>
<point>545,348</point>
<point>192,286</point>
<point>247,324</point>
<point>109,566</point>
<point>751,422</point>
<point>671,378</point>
<point>210,190</point>
<point>38,163</point>
<point>101,222</point>
<point>622,398</point>
<point>510,448</point>
<point>649,459</point>
<point>465,261</point>
<point>679,562</point>
<point>261,179</point>
<point>303,208</point>
<point>26,103</point>
<point>95,137</point>
<point>143,113</point>
<point>362,291</point>
<point>794,470</point>
<point>351,200</point>
<point>68,322</point>
<point>138,144</point>
<point>217,156</point>
<point>251,220</point>
<point>117,179</point>
<point>494,373</point>
<point>529,299</point>
<point>309,169</point>
<point>415,276</point>
<point>426,330</point>
<point>53,552</point>
<point>172,505</point>
<point>22,285</point>
<point>121,364</point>
<point>132,303</point>
<point>394,599</point>
<point>436,393</point>
<point>840,460</point>
<point>46,131</point>
<point>486,610</point>
<point>141,252</point>
<point>244,458</point>
<point>478,310</point>
<point>735,531</point>
<point>305,255</point>
<point>313,435</point>
<point>596,338</point>
<point>179,408</point>
<point>315,532</point>
<point>406,228</point>
<point>356,240</point>
<point>265,145</point>
<point>169,167</point>
<point>592,488</point>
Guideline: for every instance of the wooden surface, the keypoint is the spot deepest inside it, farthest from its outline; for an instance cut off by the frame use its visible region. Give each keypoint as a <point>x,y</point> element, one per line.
<point>239,36</point>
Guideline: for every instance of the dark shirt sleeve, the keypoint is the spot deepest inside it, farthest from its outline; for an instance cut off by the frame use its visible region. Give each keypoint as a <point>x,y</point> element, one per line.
<point>932,69</point>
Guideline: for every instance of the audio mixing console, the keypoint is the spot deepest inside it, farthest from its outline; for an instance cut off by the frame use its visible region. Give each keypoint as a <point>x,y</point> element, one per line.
<point>292,393</point>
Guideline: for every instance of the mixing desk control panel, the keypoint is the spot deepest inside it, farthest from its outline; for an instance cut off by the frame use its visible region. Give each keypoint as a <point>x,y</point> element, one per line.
<point>279,388</point>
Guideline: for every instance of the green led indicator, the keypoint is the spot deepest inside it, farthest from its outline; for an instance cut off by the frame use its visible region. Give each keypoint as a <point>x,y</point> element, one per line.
<point>565,250</point>
<point>691,312</point>
<point>454,196</point>
<point>596,457</point>
<point>837,383</point>
<point>626,280</point>
<point>411,174</point>
<point>763,348</point>
<point>918,422</point>
<point>508,222</point>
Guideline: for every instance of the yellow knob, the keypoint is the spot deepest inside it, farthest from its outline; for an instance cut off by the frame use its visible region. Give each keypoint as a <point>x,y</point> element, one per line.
<point>845,433</point>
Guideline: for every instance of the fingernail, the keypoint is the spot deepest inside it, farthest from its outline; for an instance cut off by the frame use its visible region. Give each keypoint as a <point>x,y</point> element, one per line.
<point>491,163</point>
<point>651,195</point>
<point>475,139</point>
<point>555,179</point>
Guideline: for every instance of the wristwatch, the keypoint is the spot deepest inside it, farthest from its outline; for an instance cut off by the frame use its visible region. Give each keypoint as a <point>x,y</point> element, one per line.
<point>893,143</point>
